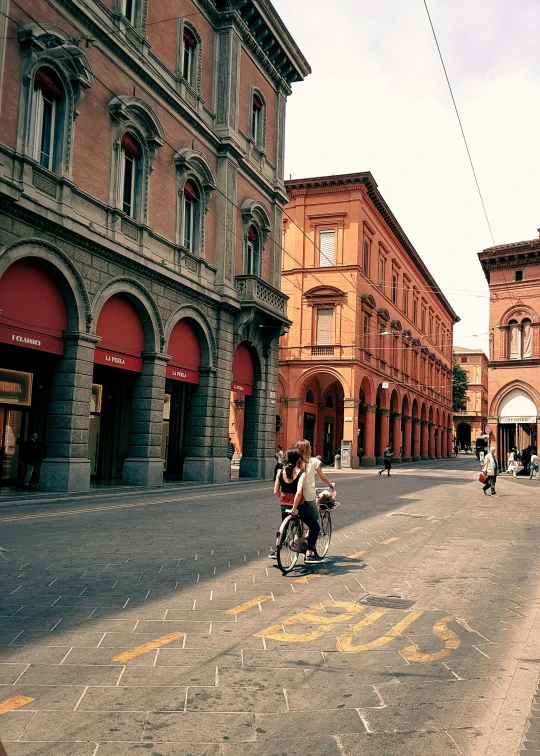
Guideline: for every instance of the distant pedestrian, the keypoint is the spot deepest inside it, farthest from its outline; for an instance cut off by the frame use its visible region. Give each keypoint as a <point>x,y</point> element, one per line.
<point>534,464</point>
<point>387,456</point>
<point>481,456</point>
<point>279,455</point>
<point>490,468</point>
<point>513,462</point>
<point>31,455</point>
<point>230,453</point>
<point>456,450</point>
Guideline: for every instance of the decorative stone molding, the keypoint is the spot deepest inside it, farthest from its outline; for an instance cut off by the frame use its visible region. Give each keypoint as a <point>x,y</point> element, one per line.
<point>292,402</point>
<point>384,412</point>
<point>370,407</point>
<point>254,213</point>
<point>416,421</point>
<point>193,166</point>
<point>424,423</point>
<point>351,402</point>
<point>407,418</point>
<point>254,292</point>
<point>396,415</point>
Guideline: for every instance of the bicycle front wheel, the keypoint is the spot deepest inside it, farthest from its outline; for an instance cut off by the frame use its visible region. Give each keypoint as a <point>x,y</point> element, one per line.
<point>286,557</point>
<point>323,541</point>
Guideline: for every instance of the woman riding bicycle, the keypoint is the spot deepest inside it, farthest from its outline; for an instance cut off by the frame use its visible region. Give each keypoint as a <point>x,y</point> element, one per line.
<point>286,484</point>
<point>309,509</point>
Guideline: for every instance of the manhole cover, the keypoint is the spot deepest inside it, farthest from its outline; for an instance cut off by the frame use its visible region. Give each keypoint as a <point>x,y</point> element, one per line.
<point>388,602</point>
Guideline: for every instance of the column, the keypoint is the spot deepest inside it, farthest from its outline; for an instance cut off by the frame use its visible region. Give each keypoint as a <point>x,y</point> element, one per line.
<point>143,466</point>
<point>385,433</point>
<point>397,437</point>
<point>294,413</point>
<point>67,467</point>
<point>444,446</point>
<point>449,444</point>
<point>424,450</point>
<point>350,427</point>
<point>202,461</point>
<point>416,428</point>
<point>407,439</point>
<point>431,447</point>
<point>368,460</point>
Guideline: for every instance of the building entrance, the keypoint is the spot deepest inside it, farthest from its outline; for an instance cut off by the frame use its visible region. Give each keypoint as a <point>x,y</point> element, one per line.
<point>517,423</point>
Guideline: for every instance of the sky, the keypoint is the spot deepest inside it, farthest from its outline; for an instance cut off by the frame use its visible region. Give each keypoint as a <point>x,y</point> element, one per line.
<point>377,100</point>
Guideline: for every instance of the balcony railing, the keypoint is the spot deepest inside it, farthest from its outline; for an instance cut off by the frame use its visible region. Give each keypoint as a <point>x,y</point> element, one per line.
<point>253,291</point>
<point>322,351</point>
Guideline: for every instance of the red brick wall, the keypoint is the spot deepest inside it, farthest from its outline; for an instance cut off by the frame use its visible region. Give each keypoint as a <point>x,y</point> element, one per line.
<point>251,76</point>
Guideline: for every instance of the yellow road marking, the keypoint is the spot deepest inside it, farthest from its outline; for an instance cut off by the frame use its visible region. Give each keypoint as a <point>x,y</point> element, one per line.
<point>325,622</point>
<point>345,642</point>
<point>358,554</point>
<point>247,605</point>
<point>415,530</point>
<point>307,578</point>
<point>151,646</point>
<point>14,703</point>
<point>389,540</point>
<point>451,642</point>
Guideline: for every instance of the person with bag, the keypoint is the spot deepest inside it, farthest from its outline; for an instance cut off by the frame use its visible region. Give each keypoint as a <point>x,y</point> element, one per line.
<point>310,509</point>
<point>489,472</point>
<point>286,484</point>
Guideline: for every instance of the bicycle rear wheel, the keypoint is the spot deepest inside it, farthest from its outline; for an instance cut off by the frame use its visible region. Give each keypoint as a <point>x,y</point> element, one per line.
<point>286,557</point>
<point>323,541</point>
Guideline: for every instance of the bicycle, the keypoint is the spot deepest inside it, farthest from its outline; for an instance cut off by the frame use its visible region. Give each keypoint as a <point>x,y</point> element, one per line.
<point>291,538</point>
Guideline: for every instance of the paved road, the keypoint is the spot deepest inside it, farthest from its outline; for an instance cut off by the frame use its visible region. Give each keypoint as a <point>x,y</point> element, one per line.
<point>153,622</point>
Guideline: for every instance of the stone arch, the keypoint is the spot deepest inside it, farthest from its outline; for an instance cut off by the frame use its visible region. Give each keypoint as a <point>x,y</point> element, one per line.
<point>63,271</point>
<point>254,213</point>
<point>504,390</point>
<point>423,412</point>
<point>415,409</point>
<point>207,338</point>
<point>143,302</point>
<point>395,403</point>
<point>519,312</point>
<point>406,406</point>
<point>383,396</point>
<point>430,414</point>
<point>366,385</point>
<point>308,375</point>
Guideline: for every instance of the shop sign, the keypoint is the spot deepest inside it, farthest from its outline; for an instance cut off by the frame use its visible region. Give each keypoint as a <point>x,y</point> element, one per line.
<point>114,359</point>
<point>241,388</point>
<point>31,340</point>
<point>514,420</point>
<point>310,417</point>
<point>15,388</point>
<point>182,374</point>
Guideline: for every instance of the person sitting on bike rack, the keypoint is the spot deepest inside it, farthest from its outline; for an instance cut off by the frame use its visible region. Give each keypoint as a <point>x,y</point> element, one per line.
<point>311,465</point>
<point>286,485</point>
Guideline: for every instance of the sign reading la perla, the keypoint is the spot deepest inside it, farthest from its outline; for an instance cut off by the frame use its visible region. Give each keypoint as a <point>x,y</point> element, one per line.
<point>522,419</point>
<point>15,388</point>
<point>117,360</point>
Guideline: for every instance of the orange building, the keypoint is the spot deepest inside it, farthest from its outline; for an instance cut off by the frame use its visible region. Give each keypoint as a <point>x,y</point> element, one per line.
<point>368,357</point>
<point>470,422</point>
<point>513,274</point>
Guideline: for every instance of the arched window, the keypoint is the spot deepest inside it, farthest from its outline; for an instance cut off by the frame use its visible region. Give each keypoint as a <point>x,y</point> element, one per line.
<point>257,126</point>
<point>46,118</point>
<point>188,57</point>
<point>526,339</point>
<point>514,340</point>
<point>191,216</point>
<point>309,397</point>
<point>252,263</point>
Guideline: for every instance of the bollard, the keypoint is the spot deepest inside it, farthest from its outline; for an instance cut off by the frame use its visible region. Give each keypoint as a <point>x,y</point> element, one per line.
<point>337,462</point>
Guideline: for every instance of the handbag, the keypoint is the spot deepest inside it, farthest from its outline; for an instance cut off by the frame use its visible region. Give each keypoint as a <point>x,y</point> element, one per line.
<point>482,477</point>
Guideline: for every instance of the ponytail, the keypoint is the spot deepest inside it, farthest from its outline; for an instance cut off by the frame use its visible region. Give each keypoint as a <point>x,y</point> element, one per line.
<point>292,458</point>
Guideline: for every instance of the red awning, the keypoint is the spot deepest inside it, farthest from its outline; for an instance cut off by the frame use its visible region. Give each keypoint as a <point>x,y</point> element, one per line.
<point>242,370</point>
<point>185,352</point>
<point>130,145</point>
<point>46,80</point>
<point>33,313</point>
<point>122,335</point>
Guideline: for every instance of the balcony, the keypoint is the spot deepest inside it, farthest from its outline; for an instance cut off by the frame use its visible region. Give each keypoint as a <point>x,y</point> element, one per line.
<point>254,292</point>
<point>322,351</point>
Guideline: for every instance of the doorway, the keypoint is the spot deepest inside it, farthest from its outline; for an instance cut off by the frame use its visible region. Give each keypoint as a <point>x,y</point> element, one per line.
<point>329,446</point>
<point>309,428</point>
<point>12,430</point>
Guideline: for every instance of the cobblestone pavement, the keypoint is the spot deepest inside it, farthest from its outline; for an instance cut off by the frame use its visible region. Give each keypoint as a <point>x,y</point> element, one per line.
<point>154,623</point>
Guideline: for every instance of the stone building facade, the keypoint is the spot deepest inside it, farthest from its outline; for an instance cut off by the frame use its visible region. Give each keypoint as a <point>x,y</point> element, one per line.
<point>470,422</point>
<point>368,358</point>
<point>513,275</point>
<point>141,201</point>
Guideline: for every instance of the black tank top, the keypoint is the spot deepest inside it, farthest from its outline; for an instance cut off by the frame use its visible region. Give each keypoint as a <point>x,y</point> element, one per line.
<point>289,488</point>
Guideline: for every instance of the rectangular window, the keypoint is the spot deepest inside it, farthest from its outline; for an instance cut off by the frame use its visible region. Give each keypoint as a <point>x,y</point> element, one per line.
<point>366,257</point>
<point>325,335</point>
<point>381,273</point>
<point>256,111</point>
<point>327,240</point>
<point>423,324</point>
<point>405,299</point>
<point>187,66</point>
<point>518,275</point>
<point>129,10</point>
<point>366,331</point>
<point>414,310</point>
<point>128,184</point>
<point>252,258</point>
<point>43,128</point>
<point>188,222</point>
<point>394,287</point>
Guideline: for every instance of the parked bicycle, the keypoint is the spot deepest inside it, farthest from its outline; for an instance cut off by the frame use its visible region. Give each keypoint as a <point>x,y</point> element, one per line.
<point>291,540</point>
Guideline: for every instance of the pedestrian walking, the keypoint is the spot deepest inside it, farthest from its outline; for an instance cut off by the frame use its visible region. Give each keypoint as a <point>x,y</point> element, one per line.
<point>513,462</point>
<point>534,464</point>
<point>31,455</point>
<point>279,455</point>
<point>490,468</point>
<point>230,453</point>
<point>387,455</point>
<point>481,456</point>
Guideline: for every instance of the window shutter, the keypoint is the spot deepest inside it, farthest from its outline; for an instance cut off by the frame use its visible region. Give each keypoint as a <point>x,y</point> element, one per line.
<point>47,81</point>
<point>189,39</point>
<point>325,327</point>
<point>326,247</point>
<point>190,190</point>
